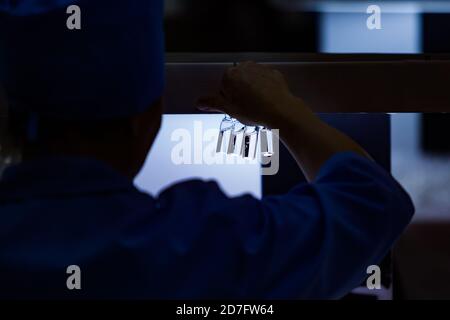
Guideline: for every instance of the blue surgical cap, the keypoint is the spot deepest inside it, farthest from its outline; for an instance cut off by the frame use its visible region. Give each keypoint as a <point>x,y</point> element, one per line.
<point>113,66</point>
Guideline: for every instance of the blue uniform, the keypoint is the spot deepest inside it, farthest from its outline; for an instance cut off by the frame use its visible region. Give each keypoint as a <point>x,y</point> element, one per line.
<point>192,241</point>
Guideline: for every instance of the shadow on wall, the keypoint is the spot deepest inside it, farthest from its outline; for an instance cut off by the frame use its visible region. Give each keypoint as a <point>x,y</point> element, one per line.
<point>238,26</point>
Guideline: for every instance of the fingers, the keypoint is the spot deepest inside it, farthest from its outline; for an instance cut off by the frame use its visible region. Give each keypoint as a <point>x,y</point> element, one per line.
<point>220,101</point>
<point>236,79</point>
<point>240,85</point>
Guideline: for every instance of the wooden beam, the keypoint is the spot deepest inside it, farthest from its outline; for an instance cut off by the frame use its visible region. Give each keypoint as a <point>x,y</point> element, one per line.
<point>328,83</point>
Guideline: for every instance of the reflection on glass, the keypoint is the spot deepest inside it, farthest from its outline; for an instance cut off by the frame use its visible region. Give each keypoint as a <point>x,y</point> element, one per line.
<point>226,126</point>
<point>266,142</point>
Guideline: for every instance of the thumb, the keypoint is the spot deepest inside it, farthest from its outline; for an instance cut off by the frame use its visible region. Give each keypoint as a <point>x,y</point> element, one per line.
<point>214,103</point>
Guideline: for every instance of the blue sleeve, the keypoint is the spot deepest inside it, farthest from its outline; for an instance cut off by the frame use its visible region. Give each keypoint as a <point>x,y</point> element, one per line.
<point>314,242</point>
<point>318,240</point>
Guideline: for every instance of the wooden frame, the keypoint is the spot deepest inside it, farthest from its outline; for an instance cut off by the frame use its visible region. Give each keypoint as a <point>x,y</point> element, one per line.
<point>327,82</point>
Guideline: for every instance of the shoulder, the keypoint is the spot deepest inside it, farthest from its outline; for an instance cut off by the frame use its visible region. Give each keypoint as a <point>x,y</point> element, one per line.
<point>193,186</point>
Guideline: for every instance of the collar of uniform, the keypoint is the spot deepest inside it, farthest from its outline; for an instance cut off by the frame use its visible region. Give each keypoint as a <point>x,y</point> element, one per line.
<point>61,176</point>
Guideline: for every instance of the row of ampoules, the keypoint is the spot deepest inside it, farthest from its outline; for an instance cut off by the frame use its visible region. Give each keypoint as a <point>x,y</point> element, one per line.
<point>238,139</point>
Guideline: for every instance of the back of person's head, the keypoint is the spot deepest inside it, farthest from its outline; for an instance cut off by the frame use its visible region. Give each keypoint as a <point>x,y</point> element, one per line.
<point>80,72</point>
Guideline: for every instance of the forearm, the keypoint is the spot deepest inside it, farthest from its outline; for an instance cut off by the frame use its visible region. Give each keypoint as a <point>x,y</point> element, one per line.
<point>259,95</point>
<point>311,141</point>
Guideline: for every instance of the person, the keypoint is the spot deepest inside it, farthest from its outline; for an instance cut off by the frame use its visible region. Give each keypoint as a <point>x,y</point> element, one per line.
<point>85,107</point>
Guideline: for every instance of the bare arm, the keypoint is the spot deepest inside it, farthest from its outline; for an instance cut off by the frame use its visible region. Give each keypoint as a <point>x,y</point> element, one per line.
<point>259,95</point>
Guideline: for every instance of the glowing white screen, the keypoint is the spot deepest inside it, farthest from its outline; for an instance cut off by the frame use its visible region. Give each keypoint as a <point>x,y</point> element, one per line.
<point>235,176</point>
<point>347,32</point>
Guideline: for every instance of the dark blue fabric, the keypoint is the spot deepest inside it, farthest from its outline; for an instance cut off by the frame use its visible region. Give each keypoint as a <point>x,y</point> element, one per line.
<point>112,67</point>
<point>192,241</point>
